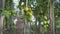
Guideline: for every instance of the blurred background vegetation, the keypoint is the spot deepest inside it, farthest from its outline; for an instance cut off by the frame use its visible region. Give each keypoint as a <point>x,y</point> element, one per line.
<point>35,14</point>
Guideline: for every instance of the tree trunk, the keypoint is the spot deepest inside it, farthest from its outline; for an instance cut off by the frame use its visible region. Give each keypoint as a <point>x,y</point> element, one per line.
<point>52,22</point>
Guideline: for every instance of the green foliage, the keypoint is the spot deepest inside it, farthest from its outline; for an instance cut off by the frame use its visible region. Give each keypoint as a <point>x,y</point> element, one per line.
<point>0,12</point>
<point>6,13</point>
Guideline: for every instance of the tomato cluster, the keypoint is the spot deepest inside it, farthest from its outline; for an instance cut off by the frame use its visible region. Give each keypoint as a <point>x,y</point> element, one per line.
<point>28,13</point>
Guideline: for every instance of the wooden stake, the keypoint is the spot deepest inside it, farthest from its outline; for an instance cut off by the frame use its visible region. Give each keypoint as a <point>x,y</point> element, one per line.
<point>52,19</point>
<point>1,24</point>
<point>1,17</point>
<point>19,26</point>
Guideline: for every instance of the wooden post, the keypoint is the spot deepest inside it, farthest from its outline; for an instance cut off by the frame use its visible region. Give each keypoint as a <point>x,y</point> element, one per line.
<point>1,24</point>
<point>52,19</point>
<point>1,17</point>
<point>2,4</point>
<point>19,26</point>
